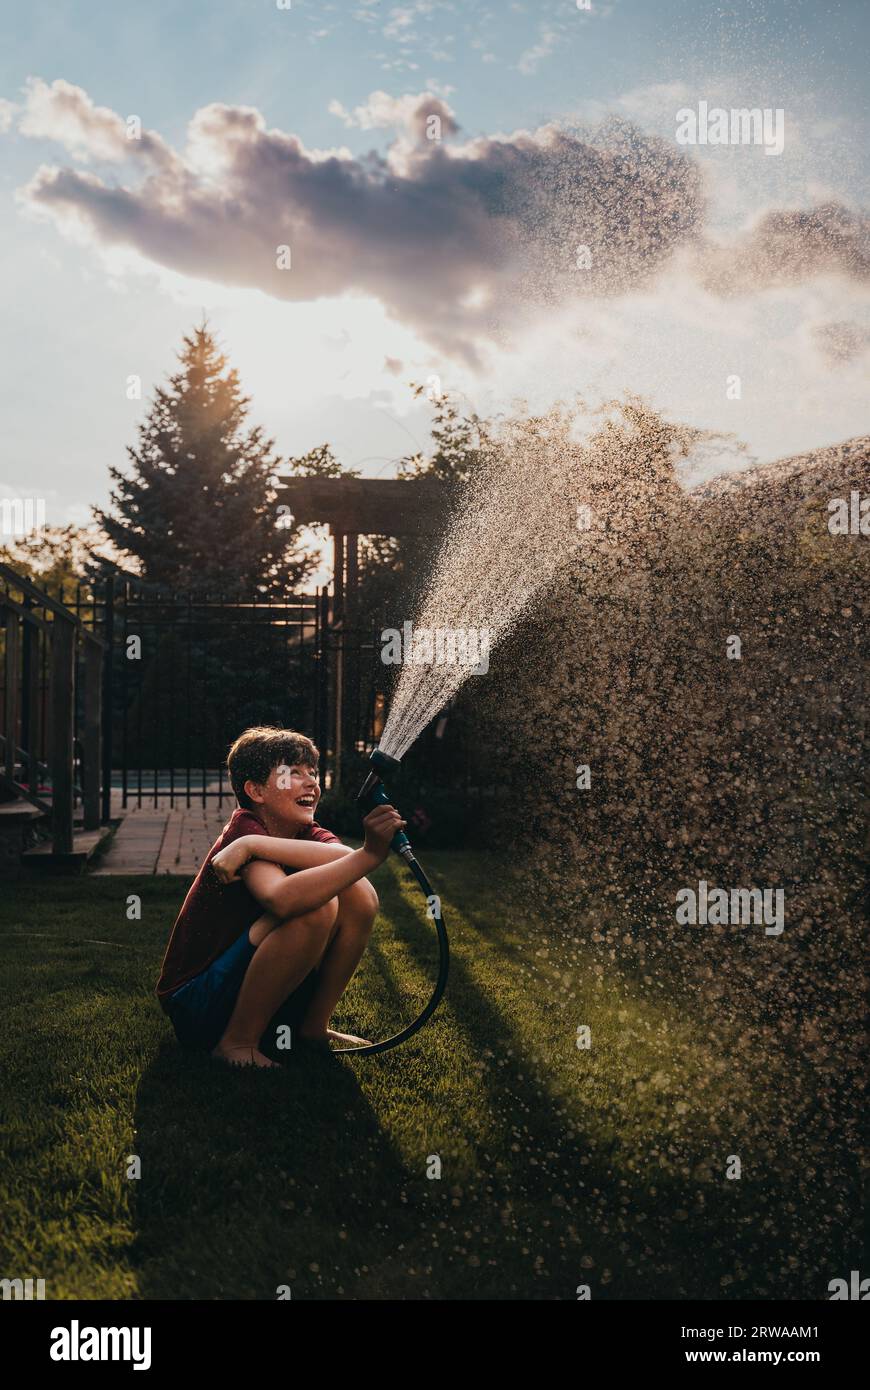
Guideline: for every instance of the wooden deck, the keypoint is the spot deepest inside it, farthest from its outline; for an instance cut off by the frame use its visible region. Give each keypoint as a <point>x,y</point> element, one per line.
<point>162,840</point>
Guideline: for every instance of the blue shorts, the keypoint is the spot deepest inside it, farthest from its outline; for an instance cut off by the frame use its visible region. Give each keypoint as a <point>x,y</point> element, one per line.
<point>201,1008</point>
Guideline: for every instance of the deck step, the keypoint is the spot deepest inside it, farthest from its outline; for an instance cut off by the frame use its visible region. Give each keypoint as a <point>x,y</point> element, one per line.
<point>85,845</point>
<point>18,813</point>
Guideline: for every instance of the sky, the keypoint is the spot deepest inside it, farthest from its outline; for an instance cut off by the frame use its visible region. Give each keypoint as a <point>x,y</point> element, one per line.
<point>488,199</point>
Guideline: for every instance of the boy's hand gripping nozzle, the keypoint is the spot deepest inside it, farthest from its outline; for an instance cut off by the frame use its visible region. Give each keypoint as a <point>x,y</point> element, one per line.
<point>373,793</point>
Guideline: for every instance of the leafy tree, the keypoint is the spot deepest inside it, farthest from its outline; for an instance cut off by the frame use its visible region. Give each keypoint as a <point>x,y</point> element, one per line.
<point>199,510</point>
<point>58,560</point>
<point>394,570</point>
<point>319,462</point>
<point>458,443</point>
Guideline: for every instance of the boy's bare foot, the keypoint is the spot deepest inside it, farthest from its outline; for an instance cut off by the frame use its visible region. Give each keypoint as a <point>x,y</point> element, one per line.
<point>324,1040</point>
<point>242,1056</point>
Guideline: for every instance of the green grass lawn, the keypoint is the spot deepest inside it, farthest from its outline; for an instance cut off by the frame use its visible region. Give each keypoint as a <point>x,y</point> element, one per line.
<point>559,1167</point>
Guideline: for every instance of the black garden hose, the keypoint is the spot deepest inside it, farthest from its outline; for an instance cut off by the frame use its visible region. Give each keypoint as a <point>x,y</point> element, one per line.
<point>373,793</point>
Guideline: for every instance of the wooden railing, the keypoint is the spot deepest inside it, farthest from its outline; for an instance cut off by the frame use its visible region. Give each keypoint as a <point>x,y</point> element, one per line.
<point>44,646</point>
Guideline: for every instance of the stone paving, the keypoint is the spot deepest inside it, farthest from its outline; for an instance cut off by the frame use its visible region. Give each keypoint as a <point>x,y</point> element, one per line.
<point>164,840</point>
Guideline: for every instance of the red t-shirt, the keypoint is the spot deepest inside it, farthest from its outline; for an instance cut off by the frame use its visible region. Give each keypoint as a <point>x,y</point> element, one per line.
<point>214,914</point>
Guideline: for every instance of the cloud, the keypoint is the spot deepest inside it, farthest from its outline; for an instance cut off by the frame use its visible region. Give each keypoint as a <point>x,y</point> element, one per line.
<point>789,247</point>
<point>65,115</point>
<point>402,18</point>
<point>451,238</point>
<point>409,114</point>
<point>465,241</point>
<point>8,110</point>
<point>528,62</point>
<point>841,342</point>
<point>656,97</point>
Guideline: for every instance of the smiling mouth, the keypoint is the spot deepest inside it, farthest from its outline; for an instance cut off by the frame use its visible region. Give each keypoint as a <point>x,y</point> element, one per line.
<point>306,802</point>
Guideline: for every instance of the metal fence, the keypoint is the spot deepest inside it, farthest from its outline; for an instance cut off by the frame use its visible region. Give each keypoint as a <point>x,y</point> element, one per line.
<point>114,693</point>
<point>186,673</point>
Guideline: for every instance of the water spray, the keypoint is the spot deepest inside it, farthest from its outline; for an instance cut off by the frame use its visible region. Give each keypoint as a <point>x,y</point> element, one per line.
<point>373,793</point>
<point>505,545</point>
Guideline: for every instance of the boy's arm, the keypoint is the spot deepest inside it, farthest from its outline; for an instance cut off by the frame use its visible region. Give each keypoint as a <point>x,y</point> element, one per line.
<point>292,854</point>
<point>311,888</point>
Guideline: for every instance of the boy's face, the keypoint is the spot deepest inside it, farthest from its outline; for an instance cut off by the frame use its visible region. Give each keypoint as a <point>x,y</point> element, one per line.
<point>289,796</point>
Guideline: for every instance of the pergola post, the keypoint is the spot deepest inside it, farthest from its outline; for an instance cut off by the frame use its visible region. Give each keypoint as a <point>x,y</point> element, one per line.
<point>354,507</point>
<point>352,561</point>
<point>338,573</point>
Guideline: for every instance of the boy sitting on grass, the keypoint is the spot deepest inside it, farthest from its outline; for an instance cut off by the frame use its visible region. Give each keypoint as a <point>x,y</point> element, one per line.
<point>276,921</point>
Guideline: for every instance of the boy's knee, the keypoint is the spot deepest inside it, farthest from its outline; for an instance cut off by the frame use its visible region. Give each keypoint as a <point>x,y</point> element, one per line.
<point>323,918</point>
<point>359,902</point>
<point>319,920</point>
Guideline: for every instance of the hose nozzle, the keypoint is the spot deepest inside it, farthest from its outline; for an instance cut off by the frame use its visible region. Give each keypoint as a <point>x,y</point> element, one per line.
<point>373,793</point>
<point>384,764</point>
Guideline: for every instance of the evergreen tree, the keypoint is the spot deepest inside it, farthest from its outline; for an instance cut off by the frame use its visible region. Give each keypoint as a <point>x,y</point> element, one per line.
<point>199,511</point>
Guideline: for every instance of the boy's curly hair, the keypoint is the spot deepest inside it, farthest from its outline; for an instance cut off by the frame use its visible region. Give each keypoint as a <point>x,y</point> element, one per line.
<point>257,751</point>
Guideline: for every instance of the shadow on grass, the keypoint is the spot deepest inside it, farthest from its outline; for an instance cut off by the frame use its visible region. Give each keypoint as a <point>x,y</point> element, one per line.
<point>252,1181</point>
<point>583,1206</point>
<point>557,1170</point>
